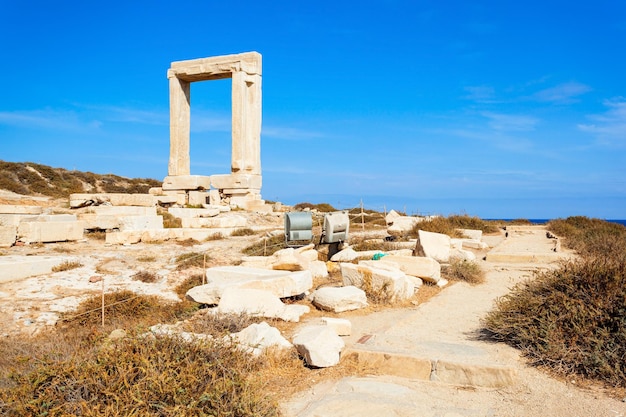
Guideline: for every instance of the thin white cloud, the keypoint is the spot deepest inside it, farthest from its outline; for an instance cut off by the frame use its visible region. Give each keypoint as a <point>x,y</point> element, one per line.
<point>290,133</point>
<point>563,93</point>
<point>206,121</point>
<point>609,127</point>
<point>48,119</point>
<point>480,93</point>
<point>129,114</point>
<point>510,122</point>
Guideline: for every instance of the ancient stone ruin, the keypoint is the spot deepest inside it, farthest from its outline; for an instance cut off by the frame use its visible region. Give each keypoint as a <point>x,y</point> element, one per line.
<point>242,186</point>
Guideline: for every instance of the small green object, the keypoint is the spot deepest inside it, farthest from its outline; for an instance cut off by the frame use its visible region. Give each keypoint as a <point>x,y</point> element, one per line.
<point>378,255</point>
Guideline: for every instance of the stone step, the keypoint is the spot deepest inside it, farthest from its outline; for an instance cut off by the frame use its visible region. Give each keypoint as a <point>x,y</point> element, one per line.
<point>471,369</point>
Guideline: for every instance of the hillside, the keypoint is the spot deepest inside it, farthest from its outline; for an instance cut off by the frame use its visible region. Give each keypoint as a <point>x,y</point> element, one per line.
<point>28,178</point>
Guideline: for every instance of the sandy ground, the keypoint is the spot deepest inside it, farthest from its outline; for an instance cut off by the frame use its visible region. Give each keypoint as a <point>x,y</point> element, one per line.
<point>447,326</point>
<point>33,304</point>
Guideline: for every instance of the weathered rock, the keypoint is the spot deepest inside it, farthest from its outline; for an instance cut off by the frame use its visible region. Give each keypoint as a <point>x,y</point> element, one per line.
<point>472,234</point>
<point>223,221</point>
<point>462,254</point>
<point>17,209</point>
<point>289,260</point>
<point>114,199</point>
<point>345,255</point>
<point>8,235</point>
<point>186,182</point>
<point>280,283</point>
<point>318,269</point>
<point>435,245</point>
<point>117,334</point>
<point>343,327</point>
<point>320,346</point>
<point>474,244</point>
<point>48,229</point>
<point>258,303</point>
<point>15,267</point>
<point>391,216</point>
<point>402,225</point>
<point>425,268</point>
<point>339,299</point>
<point>190,213</point>
<point>387,284</point>
<point>260,336</point>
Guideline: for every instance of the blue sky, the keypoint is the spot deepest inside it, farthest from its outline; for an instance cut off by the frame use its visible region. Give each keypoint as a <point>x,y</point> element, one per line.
<point>492,108</point>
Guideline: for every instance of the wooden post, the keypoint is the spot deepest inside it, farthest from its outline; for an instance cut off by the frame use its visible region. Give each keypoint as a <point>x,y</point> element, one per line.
<point>204,270</point>
<point>103,302</point>
<point>362,217</point>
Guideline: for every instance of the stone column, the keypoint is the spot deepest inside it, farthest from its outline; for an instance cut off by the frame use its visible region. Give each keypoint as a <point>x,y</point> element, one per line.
<point>246,123</point>
<point>180,120</point>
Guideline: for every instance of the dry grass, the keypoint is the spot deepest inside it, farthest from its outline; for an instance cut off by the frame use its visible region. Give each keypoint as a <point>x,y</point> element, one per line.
<point>96,234</point>
<point>145,276</point>
<point>66,266</point>
<point>171,222</point>
<point>462,270</point>
<point>366,244</point>
<point>191,260</point>
<point>244,231</point>
<point>265,246</point>
<point>450,225</point>
<point>149,376</point>
<point>187,242</point>
<point>214,236</point>
<point>146,258</point>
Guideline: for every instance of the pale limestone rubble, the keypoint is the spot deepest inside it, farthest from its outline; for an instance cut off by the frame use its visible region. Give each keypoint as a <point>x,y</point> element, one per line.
<point>319,345</point>
<point>280,283</point>
<point>258,303</point>
<point>339,299</point>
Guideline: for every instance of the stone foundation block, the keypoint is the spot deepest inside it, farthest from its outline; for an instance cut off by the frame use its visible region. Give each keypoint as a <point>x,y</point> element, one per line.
<point>280,283</point>
<point>14,268</point>
<point>188,213</point>
<point>186,182</point>
<point>50,231</point>
<point>115,199</point>
<point>215,222</point>
<point>8,235</point>
<point>241,181</point>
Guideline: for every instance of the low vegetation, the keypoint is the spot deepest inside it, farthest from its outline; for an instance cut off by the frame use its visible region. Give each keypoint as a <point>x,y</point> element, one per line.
<point>450,225</point>
<point>145,276</point>
<point>29,178</point>
<point>462,270</point>
<point>573,319</point>
<point>265,246</point>
<point>244,231</point>
<point>191,259</point>
<point>77,370</point>
<point>66,266</point>
<point>169,221</point>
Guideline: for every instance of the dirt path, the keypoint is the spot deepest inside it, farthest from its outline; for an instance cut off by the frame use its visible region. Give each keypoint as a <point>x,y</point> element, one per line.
<point>446,328</point>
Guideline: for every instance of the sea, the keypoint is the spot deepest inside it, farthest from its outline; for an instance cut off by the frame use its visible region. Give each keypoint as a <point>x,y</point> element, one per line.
<point>544,221</point>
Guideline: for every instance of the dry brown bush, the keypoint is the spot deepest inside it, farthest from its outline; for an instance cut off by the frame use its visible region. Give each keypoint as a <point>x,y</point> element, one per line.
<point>66,266</point>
